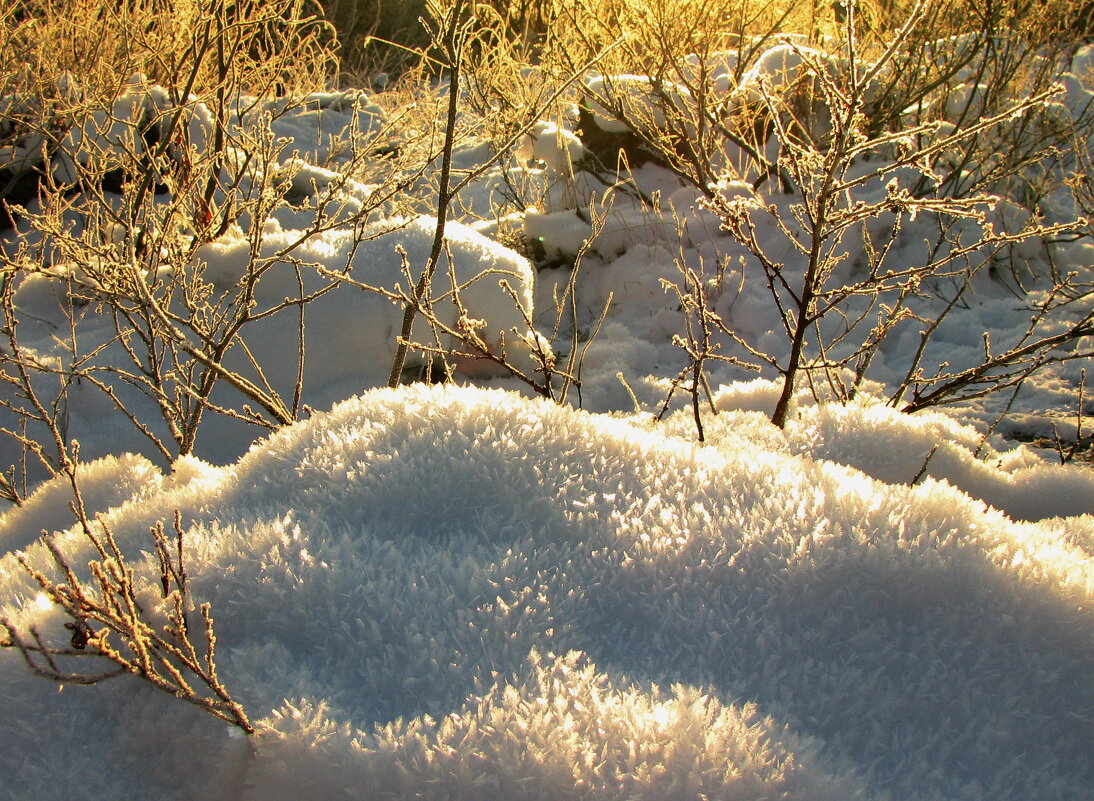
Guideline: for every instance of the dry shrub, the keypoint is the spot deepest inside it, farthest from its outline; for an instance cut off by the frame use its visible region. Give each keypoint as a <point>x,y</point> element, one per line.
<point>119,172</point>
<point>377,36</point>
<point>63,61</point>
<point>113,634</point>
<point>269,44</point>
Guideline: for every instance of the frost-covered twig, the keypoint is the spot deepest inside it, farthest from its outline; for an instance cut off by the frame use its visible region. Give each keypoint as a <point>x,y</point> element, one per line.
<point>108,623</point>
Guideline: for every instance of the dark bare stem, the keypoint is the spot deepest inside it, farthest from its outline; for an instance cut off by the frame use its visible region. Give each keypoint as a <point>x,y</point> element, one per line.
<point>453,40</point>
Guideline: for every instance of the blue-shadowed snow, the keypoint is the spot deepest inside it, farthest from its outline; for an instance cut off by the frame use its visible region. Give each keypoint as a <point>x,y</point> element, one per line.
<point>461,593</point>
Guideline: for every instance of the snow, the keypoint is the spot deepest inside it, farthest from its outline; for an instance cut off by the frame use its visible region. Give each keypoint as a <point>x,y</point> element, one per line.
<point>458,591</point>
<point>631,91</point>
<point>350,333</point>
<point>558,148</point>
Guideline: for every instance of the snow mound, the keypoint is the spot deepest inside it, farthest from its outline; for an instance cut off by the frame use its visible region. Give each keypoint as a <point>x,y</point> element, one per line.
<point>105,484</point>
<point>896,448</point>
<point>349,333</point>
<point>437,592</point>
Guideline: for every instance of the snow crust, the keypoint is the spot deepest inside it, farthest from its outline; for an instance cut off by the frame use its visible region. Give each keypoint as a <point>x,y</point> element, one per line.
<point>448,592</point>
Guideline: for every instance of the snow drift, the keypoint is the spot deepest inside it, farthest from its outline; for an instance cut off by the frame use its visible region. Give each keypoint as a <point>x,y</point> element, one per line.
<point>460,593</point>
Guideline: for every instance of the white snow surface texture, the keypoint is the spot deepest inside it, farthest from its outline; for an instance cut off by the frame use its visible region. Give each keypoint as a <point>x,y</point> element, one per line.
<point>460,593</point>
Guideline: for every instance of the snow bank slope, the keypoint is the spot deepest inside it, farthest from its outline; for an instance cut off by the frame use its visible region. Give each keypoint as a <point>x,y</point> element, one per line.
<point>399,584</point>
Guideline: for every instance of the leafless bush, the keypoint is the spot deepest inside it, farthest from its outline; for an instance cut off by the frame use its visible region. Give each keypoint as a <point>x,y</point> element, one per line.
<point>131,179</point>
<point>457,38</point>
<point>110,622</point>
<point>702,340</point>
<point>968,117</point>
<point>830,216</point>
<point>998,50</point>
<point>125,173</point>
